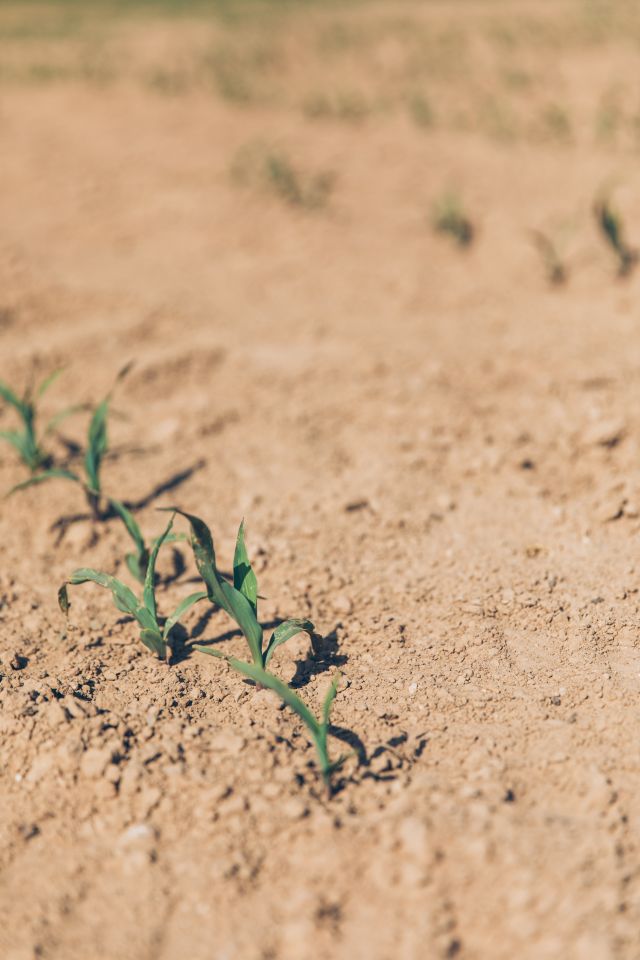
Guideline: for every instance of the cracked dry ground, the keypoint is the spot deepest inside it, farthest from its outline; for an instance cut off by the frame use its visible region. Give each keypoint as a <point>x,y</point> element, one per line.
<point>437,459</point>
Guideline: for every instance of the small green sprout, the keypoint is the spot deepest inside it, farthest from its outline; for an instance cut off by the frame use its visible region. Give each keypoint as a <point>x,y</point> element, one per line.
<point>449,217</point>
<point>97,449</point>
<point>260,164</point>
<point>554,267</point>
<point>26,440</point>
<point>318,729</point>
<point>610,223</point>
<point>240,602</point>
<point>310,191</point>
<point>154,633</point>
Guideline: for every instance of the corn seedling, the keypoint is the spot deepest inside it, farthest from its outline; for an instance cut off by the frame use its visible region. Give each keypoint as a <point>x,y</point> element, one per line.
<point>311,191</point>
<point>26,441</point>
<point>449,217</point>
<point>96,450</point>
<point>554,267</point>
<point>154,632</point>
<point>240,602</point>
<point>257,163</point>
<point>318,729</point>
<point>610,224</point>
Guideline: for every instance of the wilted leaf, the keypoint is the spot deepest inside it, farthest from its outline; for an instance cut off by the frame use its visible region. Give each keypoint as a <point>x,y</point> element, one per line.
<point>124,598</point>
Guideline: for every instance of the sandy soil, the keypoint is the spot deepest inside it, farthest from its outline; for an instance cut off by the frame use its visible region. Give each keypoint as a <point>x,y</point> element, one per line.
<point>436,454</point>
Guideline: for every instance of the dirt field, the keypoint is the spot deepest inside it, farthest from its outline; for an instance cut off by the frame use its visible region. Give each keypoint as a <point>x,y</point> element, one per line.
<point>435,450</point>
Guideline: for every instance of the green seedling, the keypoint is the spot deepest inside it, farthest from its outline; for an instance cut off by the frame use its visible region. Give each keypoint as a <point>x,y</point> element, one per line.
<point>318,729</point>
<point>448,217</point>
<point>137,561</point>
<point>154,632</point>
<point>260,164</point>
<point>309,191</point>
<point>96,450</point>
<point>26,441</point>
<point>611,227</point>
<point>240,601</point>
<point>554,267</point>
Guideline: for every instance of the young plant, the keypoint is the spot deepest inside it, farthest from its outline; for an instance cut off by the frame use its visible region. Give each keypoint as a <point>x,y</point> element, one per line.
<point>554,267</point>
<point>449,217</point>
<point>259,164</point>
<point>310,191</point>
<point>154,631</point>
<point>26,440</point>
<point>611,227</point>
<point>96,450</point>
<point>240,602</point>
<point>318,729</point>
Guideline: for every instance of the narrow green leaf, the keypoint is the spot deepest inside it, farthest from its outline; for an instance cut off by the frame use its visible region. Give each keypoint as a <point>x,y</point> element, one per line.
<point>181,609</point>
<point>124,598</point>
<point>244,578</point>
<point>149,595</point>
<point>205,557</point>
<point>155,642</point>
<point>17,440</point>
<point>130,523</point>
<point>328,700</point>
<point>146,618</point>
<point>7,394</point>
<point>242,612</point>
<point>60,417</point>
<point>97,445</point>
<point>284,632</point>
<point>122,373</point>
<point>52,474</point>
<point>266,679</point>
<point>49,381</point>
<point>172,538</point>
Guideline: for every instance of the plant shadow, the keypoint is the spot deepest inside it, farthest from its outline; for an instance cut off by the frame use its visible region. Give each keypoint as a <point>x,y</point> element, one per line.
<point>166,486</point>
<point>62,524</point>
<point>324,655</point>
